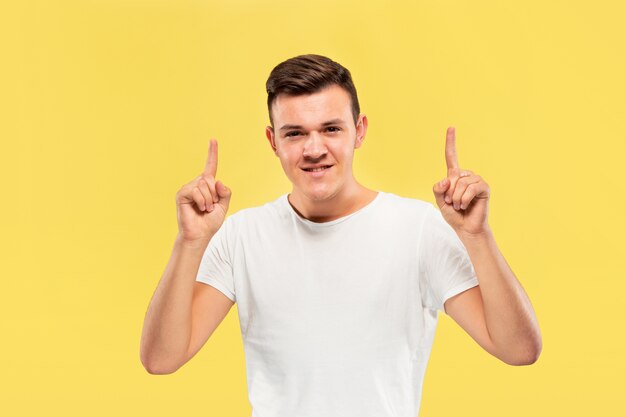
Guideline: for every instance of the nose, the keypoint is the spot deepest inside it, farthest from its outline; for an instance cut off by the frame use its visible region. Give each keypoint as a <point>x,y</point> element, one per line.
<point>314,146</point>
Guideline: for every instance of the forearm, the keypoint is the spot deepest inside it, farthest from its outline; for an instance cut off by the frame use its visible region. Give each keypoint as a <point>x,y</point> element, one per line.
<point>167,325</point>
<point>509,315</point>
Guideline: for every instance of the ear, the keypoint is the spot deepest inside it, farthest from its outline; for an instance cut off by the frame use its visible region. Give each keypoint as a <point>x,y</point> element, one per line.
<point>269,133</point>
<point>361,130</point>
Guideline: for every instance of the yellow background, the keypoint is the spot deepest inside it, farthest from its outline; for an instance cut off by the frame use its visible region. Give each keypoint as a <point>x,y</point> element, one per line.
<point>107,108</point>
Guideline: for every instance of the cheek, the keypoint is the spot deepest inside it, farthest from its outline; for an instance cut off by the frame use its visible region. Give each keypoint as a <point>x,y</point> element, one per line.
<point>288,156</point>
<point>343,152</point>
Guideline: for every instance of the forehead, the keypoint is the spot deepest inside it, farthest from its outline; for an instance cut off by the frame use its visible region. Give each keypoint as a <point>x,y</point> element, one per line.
<point>329,103</point>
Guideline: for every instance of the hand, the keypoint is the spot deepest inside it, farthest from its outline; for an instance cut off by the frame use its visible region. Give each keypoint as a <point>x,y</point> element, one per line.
<point>202,204</point>
<point>462,196</point>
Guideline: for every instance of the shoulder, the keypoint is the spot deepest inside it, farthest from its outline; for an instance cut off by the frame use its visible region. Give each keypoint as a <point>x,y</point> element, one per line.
<point>403,204</point>
<point>400,213</point>
<point>258,215</point>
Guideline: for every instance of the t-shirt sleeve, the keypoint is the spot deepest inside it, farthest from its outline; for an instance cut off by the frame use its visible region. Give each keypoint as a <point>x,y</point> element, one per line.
<point>216,266</point>
<point>445,267</point>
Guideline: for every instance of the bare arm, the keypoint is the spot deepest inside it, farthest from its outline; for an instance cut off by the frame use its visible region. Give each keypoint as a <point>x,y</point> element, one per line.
<point>183,313</point>
<point>498,313</point>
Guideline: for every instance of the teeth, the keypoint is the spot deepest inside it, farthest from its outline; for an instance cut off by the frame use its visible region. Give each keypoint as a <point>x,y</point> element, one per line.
<point>316,169</point>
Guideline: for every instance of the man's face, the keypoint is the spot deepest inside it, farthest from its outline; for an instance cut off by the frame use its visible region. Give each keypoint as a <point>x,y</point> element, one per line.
<point>316,131</point>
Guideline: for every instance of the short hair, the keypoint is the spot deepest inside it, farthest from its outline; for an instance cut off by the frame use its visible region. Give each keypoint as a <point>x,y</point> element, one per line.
<point>307,74</point>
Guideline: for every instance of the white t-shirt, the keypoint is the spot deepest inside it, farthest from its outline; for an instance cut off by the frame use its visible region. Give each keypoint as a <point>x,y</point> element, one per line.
<point>337,318</point>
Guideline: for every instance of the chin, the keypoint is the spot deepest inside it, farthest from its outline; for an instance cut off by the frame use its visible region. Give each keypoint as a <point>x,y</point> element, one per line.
<point>320,195</point>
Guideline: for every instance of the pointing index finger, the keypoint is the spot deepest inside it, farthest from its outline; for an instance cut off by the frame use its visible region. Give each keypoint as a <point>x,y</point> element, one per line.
<point>211,163</point>
<point>451,159</point>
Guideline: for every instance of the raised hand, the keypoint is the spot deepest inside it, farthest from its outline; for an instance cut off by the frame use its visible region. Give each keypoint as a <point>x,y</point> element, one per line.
<point>202,203</point>
<point>462,196</point>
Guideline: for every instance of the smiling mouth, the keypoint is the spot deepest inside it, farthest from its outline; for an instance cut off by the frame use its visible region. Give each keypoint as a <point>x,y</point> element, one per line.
<point>317,169</point>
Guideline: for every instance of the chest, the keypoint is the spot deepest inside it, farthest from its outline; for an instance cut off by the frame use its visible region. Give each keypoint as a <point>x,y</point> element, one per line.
<point>299,288</point>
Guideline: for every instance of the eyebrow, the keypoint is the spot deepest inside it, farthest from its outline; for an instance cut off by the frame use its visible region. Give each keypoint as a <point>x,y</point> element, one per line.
<point>330,122</point>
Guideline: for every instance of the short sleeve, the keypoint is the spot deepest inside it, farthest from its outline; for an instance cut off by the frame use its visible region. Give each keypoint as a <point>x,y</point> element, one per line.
<point>445,268</point>
<point>216,266</point>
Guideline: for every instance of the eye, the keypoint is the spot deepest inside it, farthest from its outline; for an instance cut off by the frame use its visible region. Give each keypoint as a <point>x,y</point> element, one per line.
<point>292,133</point>
<point>333,129</point>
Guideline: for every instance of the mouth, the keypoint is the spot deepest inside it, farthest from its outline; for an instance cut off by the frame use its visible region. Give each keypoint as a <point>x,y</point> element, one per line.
<point>317,169</point>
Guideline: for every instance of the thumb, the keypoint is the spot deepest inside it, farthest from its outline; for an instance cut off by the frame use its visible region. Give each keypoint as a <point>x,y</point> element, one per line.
<point>224,193</point>
<point>439,190</point>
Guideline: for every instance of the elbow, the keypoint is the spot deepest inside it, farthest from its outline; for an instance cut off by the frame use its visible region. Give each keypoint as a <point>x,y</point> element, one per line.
<point>155,368</point>
<point>528,359</point>
<point>526,356</point>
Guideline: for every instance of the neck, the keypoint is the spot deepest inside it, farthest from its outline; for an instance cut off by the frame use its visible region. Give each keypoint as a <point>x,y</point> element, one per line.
<point>340,205</point>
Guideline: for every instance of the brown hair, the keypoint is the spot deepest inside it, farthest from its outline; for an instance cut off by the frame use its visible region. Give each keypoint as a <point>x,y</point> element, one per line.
<point>307,74</point>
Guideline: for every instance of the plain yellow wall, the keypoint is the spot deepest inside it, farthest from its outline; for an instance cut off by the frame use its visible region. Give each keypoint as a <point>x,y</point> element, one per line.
<point>107,108</point>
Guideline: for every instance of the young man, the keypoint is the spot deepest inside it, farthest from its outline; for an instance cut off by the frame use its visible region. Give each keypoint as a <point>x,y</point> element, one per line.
<point>338,286</point>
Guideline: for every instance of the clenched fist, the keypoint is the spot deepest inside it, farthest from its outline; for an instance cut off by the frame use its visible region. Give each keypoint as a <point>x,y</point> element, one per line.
<point>202,204</point>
